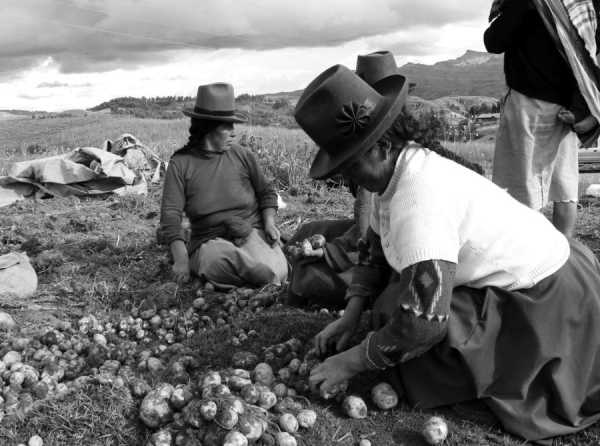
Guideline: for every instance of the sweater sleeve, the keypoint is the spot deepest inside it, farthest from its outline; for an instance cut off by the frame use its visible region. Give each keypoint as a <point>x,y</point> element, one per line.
<point>264,189</point>
<point>369,278</point>
<point>504,31</point>
<point>172,207</point>
<point>416,305</point>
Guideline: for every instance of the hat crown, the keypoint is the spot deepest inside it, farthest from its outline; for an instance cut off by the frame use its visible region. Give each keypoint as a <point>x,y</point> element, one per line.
<point>375,66</point>
<point>217,97</point>
<point>336,107</point>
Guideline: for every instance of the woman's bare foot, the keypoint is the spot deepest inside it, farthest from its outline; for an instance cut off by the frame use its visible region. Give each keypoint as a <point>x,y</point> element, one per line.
<point>566,116</point>
<point>585,125</point>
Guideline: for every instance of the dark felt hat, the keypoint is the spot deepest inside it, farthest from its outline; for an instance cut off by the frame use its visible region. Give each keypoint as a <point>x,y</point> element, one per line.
<point>375,66</point>
<point>344,115</point>
<point>215,102</point>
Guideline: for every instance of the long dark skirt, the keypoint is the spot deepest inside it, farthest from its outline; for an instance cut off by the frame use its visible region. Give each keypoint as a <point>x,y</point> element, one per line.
<point>533,356</point>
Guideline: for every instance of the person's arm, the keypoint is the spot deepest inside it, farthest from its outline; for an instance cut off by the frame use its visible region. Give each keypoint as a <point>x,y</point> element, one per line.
<point>371,277</point>
<point>172,207</point>
<point>505,30</point>
<point>266,196</point>
<point>420,319</point>
<point>368,280</point>
<point>362,211</point>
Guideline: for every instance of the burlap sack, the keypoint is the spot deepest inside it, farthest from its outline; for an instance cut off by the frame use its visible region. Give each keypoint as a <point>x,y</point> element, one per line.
<point>17,276</point>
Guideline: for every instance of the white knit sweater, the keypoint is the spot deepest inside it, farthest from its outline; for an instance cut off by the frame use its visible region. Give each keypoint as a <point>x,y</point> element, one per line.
<point>434,208</point>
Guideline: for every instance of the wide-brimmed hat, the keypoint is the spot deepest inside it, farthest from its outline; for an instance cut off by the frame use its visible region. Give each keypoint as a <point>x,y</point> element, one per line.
<point>375,66</point>
<point>344,115</point>
<point>215,102</point>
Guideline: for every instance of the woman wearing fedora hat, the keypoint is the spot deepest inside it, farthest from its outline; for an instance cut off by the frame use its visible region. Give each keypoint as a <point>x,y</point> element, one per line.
<point>324,280</point>
<point>231,206</point>
<point>473,295</point>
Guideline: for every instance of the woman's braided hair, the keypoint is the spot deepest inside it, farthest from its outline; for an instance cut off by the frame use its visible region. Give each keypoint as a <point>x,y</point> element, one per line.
<point>199,128</point>
<point>407,128</point>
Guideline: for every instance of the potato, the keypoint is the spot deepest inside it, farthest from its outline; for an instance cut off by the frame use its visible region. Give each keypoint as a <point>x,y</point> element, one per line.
<point>237,383</point>
<point>155,410</point>
<point>384,396</point>
<point>161,438</point>
<point>192,415</point>
<point>307,249</point>
<point>227,417</point>
<point>288,423</point>
<point>285,439</point>
<point>36,440</point>
<point>317,241</point>
<point>267,399</point>
<point>250,426</point>
<point>208,410</point>
<point>11,358</point>
<point>181,396</point>
<point>235,438</point>
<point>334,391</point>
<point>435,430</point>
<point>237,405</point>
<point>221,391</point>
<point>280,390</point>
<point>263,374</point>
<point>250,393</point>
<point>284,374</point>
<point>294,365</point>
<point>307,418</point>
<point>242,373</point>
<point>355,407</point>
<point>211,379</point>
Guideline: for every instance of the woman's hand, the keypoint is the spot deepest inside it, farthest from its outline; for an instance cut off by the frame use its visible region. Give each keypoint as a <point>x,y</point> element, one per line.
<point>336,369</point>
<point>343,328</point>
<point>181,270</point>
<point>272,233</point>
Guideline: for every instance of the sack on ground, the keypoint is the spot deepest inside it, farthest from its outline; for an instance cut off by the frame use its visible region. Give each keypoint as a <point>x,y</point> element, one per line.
<point>17,276</point>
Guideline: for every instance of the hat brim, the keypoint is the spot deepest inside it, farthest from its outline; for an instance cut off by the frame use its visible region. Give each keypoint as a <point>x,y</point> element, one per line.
<point>394,89</point>
<point>238,117</point>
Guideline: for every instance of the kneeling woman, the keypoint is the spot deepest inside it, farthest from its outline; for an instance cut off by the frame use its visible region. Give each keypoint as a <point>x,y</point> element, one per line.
<point>473,295</point>
<point>231,206</point>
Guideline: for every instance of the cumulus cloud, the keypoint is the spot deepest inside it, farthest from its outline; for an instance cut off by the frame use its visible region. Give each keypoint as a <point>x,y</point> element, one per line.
<point>101,35</point>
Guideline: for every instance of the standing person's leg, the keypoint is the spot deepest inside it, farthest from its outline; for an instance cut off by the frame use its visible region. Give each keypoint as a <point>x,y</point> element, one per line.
<point>564,217</point>
<point>565,183</point>
<point>513,166</point>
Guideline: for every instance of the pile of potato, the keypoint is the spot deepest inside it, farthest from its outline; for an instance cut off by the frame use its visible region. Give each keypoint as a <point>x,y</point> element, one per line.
<point>230,408</point>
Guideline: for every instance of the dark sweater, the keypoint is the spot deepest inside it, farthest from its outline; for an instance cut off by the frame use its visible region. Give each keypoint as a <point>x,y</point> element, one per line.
<point>211,191</point>
<point>532,63</point>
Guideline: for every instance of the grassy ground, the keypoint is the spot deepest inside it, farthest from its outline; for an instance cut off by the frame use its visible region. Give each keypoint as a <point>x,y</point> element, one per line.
<point>105,260</point>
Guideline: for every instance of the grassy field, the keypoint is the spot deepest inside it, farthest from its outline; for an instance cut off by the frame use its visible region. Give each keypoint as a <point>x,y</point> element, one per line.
<point>99,256</point>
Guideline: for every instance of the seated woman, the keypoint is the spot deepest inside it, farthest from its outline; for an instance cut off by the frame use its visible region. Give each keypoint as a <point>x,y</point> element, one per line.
<point>231,206</point>
<point>473,295</point>
<point>323,280</point>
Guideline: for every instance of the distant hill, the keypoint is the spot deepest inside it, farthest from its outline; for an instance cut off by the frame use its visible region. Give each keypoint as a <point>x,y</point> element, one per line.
<point>472,74</point>
<point>470,84</point>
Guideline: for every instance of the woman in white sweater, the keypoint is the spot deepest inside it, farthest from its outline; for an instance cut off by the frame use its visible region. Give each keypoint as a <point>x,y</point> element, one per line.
<point>473,295</point>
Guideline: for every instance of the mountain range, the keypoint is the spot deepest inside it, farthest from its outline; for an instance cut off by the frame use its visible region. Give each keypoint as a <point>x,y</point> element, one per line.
<point>472,74</point>
<point>451,86</point>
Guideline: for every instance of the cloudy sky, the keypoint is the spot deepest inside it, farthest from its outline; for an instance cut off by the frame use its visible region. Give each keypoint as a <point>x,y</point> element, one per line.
<point>62,54</point>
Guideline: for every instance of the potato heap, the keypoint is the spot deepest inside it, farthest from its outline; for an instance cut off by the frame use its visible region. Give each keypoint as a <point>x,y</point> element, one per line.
<point>234,407</point>
<point>293,371</point>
